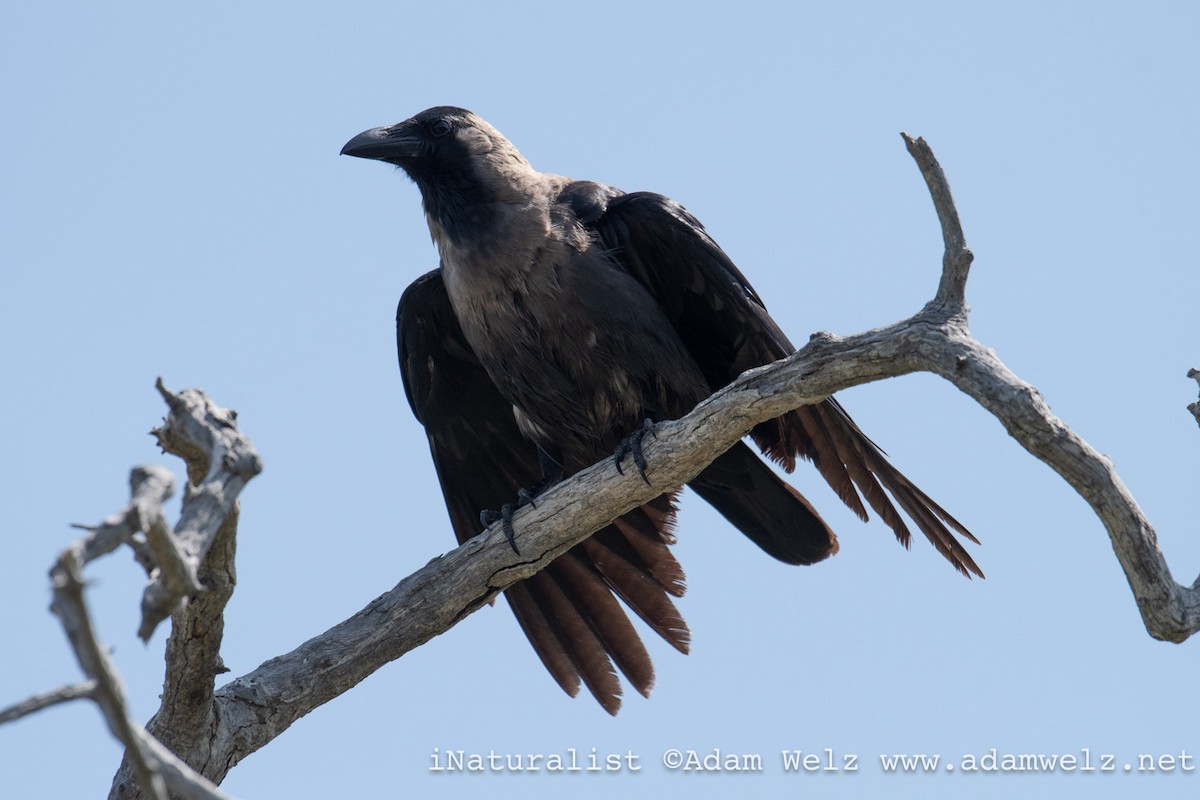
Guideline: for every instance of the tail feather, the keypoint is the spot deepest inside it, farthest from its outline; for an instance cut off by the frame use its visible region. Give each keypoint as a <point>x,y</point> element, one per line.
<point>628,577</point>
<point>854,458</point>
<point>764,507</point>
<point>565,633</point>
<point>571,615</point>
<point>852,464</point>
<point>648,531</point>
<point>590,594</point>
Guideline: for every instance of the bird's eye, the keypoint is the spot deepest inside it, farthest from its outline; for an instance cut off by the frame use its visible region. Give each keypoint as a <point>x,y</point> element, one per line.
<point>440,127</point>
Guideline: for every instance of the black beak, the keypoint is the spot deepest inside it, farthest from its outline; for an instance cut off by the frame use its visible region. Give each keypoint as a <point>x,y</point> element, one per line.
<point>393,144</point>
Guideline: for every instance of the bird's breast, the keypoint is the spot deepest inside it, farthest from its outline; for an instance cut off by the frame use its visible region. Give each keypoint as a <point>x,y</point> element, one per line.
<point>578,347</point>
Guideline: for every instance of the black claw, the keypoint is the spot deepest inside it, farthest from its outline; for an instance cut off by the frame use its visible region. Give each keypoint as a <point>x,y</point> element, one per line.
<point>638,458</point>
<point>506,512</point>
<point>487,517</point>
<point>619,453</point>
<point>632,444</point>
<point>525,497</point>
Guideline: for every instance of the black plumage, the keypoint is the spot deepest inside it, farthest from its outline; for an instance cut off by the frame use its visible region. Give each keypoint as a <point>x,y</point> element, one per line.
<point>563,315</point>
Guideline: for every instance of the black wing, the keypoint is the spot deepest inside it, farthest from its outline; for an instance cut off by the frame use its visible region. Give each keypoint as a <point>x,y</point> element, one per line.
<point>568,611</point>
<point>726,327</point>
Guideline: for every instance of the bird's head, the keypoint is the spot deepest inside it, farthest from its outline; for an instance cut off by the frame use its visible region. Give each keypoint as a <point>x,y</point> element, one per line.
<point>447,150</point>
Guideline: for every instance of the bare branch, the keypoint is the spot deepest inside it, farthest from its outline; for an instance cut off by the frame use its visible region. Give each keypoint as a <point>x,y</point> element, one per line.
<point>956,262</point>
<point>1170,612</point>
<point>220,461</point>
<point>84,690</point>
<point>197,557</point>
<point>68,605</point>
<point>156,768</point>
<point>150,486</point>
<point>181,780</point>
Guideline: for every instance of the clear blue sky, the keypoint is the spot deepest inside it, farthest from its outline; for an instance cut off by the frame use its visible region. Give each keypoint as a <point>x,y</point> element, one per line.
<point>173,204</point>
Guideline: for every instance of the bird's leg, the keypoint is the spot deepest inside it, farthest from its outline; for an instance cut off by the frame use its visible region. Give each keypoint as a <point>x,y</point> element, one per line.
<point>550,465</point>
<point>632,444</point>
<point>552,473</point>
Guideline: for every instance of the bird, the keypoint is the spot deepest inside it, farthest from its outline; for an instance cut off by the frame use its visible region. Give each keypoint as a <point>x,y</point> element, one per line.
<point>565,318</point>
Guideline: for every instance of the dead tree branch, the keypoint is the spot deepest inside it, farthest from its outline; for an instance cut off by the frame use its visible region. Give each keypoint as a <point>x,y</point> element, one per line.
<point>156,767</point>
<point>84,690</point>
<point>197,556</point>
<point>220,460</point>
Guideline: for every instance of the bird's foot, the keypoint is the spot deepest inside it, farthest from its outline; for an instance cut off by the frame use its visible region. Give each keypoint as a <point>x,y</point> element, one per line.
<point>505,514</point>
<point>632,445</point>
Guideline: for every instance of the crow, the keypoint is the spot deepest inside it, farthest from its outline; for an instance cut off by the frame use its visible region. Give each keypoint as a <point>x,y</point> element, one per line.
<point>565,317</point>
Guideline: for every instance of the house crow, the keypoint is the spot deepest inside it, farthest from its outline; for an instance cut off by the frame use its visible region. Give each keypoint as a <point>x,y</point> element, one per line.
<point>565,314</point>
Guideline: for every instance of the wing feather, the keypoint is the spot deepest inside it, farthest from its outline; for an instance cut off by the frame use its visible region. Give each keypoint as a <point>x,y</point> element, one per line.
<point>725,326</point>
<point>569,611</point>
